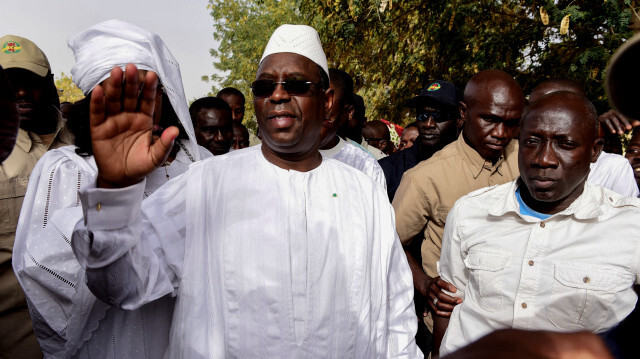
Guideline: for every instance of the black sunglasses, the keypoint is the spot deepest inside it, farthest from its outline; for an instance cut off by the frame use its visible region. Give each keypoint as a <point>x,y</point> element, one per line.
<point>438,116</point>
<point>264,88</point>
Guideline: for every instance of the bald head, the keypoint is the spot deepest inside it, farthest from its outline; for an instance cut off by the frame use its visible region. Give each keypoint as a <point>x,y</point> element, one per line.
<point>492,108</point>
<point>377,134</point>
<point>559,103</point>
<point>495,81</point>
<point>549,86</point>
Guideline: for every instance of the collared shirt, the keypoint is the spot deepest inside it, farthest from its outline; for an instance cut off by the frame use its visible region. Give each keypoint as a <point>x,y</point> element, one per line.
<point>357,158</point>
<point>614,172</point>
<point>281,264</point>
<point>428,191</point>
<point>395,165</point>
<point>16,333</point>
<point>573,271</point>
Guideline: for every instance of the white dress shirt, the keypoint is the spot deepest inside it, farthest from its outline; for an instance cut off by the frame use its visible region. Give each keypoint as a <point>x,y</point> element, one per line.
<point>573,271</point>
<point>265,262</point>
<point>614,172</point>
<point>358,159</point>
<point>68,319</point>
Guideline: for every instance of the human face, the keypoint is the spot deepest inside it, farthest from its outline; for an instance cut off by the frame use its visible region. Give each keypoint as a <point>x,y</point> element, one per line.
<point>214,130</point>
<point>375,137</point>
<point>435,133</point>
<point>240,138</point>
<point>409,135</point>
<point>290,124</point>
<point>10,121</point>
<point>557,145</point>
<point>633,155</point>
<point>491,120</point>
<point>237,106</point>
<point>32,93</point>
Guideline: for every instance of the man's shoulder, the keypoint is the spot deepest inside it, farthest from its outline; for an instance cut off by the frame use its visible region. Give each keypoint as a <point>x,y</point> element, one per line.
<point>612,157</point>
<point>487,196</point>
<point>240,157</point>
<point>357,152</point>
<point>612,201</point>
<point>446,157</point>
<point>398,157</point>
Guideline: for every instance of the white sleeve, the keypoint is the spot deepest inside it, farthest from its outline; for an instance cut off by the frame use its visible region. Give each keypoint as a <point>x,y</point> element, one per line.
<point>626,184</point>
<point>402,319</point>
<point>132,251</point>
<point>403,323</point>
<point>451,266</point>
<point>378,175</point>
<point>43,261</point>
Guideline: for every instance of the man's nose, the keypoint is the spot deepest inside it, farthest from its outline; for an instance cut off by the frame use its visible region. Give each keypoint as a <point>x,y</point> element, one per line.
<point>218,136</point>
<point>430,122</point>
<point>499,130</point>
<point>546,156</point>
<point>279,94</point>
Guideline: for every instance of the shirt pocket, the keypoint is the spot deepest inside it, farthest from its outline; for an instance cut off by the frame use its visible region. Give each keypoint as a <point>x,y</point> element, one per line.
<point>486,272</point>
<point>12,193</point>
<point>582,294</point>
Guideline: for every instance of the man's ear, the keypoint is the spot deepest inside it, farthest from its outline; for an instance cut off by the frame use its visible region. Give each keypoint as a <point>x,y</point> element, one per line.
<point>328,102</point>
<point>598,145</point>
<point>384,145</point>
<point>462,109</point>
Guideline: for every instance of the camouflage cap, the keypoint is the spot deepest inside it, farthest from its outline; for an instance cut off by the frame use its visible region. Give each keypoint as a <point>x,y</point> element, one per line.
<point>20,53</point>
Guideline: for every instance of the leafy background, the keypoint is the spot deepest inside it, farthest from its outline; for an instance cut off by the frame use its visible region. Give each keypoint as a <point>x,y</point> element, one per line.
<point>394,48</point>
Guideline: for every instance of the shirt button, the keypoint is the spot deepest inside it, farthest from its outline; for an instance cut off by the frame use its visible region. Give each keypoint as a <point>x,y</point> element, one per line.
<point>586,279</point>
<point>610,199</point>
<point>542,224</point>
<point>524,305</point>
<point>99,207</point>
<point>530,263</point>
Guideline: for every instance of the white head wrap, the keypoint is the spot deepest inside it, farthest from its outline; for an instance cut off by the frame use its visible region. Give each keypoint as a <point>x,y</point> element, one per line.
<point>111,43</point>
<point>298,39</point>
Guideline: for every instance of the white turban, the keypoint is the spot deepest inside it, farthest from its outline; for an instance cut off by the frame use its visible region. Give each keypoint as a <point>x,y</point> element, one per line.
<point>112,43</point>
<point>298,39</point>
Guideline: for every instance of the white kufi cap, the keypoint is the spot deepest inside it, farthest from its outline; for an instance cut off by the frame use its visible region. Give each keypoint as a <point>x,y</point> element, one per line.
<point>298,39</point>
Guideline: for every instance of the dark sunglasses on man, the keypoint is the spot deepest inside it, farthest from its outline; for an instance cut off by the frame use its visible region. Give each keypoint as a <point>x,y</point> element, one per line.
<point>264,88</point>
<point>437,116</point>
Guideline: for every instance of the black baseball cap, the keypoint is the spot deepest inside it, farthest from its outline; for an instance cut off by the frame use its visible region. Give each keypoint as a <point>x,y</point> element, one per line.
<point>439,91</point>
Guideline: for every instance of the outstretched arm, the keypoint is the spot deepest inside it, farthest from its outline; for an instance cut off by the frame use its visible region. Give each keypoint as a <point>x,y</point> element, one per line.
<point>131,256</point>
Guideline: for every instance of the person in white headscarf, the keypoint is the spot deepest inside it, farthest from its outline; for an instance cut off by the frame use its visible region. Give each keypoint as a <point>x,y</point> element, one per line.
<point>69,320</point>
<point>272,251</point>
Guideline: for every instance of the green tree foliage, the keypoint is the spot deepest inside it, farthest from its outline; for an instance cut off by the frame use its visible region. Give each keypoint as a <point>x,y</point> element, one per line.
<point>67,90</point>
<point>394,48</point>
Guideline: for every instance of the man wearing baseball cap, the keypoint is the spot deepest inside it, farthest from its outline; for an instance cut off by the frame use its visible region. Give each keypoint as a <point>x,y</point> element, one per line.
<point>439,123</point>
<point>41,129</point>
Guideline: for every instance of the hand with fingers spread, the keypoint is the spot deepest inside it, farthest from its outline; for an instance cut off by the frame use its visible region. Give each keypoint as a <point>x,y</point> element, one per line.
<point>121,129</point>
<point>441,303</point>
<point>615,122</point>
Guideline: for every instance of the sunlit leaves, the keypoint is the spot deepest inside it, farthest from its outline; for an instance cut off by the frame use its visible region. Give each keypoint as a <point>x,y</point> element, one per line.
<point>67,90</point>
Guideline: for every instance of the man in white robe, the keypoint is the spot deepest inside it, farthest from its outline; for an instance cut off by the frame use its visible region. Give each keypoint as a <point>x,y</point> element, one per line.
<point>273,251</point>
<point>332,145</point>
<point>69,320</point>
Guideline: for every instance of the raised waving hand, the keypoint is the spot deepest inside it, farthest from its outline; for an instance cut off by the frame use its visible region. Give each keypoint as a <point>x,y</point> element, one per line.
<point>121,126</point>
